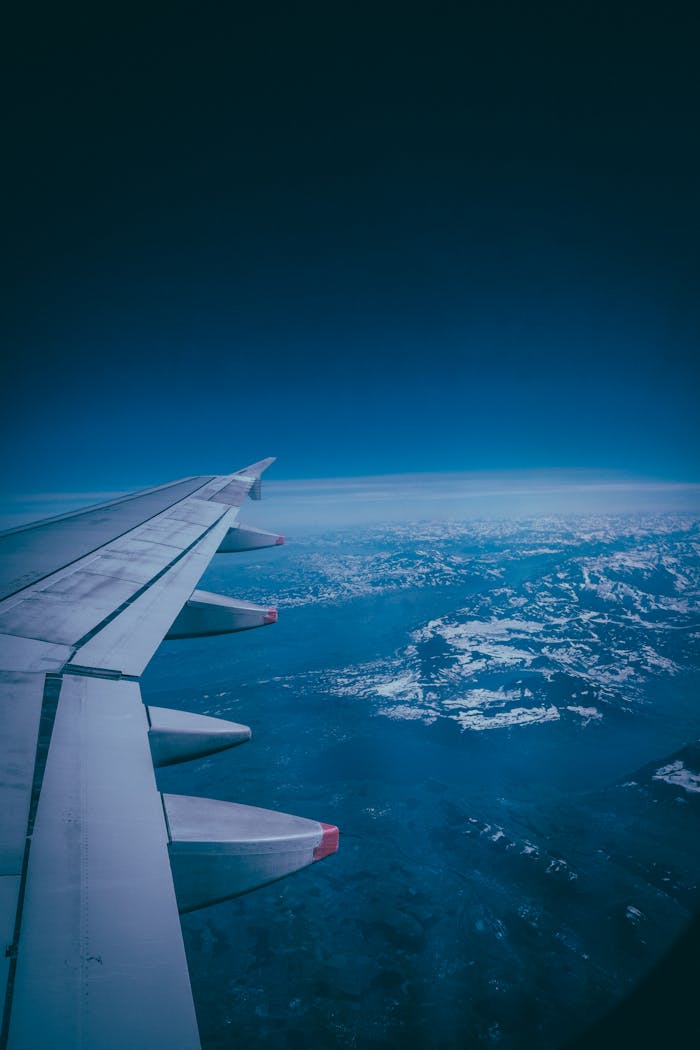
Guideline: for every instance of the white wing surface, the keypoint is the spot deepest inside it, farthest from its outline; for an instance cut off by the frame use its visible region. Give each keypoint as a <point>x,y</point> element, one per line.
<point>95,863</point>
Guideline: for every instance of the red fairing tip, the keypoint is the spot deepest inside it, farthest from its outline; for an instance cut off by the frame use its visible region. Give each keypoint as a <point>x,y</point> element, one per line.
<point>271,616</point>
<point>279,541</point>
<point>328,843</point>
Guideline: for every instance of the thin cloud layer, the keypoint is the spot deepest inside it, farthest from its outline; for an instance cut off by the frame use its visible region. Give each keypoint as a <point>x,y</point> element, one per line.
<point>326,502</point>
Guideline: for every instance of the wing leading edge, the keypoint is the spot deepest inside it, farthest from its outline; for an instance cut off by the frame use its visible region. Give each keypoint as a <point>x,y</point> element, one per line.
<point>95,862</point>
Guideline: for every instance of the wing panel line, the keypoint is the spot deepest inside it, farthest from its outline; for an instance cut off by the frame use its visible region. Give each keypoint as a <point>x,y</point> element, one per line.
<point>31,581</point>
<point>49,704</point>
<point>126,498</point>
<point>142,590</point>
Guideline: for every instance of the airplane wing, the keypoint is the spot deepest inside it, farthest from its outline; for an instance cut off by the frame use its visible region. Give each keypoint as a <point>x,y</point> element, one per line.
<point>96,862</point>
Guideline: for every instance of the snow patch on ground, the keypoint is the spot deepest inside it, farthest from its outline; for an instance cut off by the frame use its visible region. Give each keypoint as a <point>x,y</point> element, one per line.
<point>517,716</point>
<point>406,713</point>
<point>588,714</point>
<point>676,773</point>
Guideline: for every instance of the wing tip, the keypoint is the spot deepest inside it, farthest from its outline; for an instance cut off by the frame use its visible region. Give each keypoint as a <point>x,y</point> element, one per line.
<point>256,470</point>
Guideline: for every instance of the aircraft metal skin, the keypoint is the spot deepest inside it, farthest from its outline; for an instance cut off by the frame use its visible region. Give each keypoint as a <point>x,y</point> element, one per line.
<point>95,863</point>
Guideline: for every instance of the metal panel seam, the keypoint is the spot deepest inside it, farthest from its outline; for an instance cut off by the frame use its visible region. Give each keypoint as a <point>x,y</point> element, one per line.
<point>142,590</point>
<point>49,705</point>
<point>119,536</point>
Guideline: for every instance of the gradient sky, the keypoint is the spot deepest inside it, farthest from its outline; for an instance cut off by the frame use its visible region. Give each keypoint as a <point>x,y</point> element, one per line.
<point>367,242</point>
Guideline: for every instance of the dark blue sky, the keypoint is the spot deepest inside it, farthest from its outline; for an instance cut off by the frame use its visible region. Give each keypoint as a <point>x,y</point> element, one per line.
<point>367,243</point>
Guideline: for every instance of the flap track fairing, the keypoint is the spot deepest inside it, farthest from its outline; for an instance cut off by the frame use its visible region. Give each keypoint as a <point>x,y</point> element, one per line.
<point>245,538</point>
<point>220,850</point>
<point>177,736</point>
<point>207,614</point>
